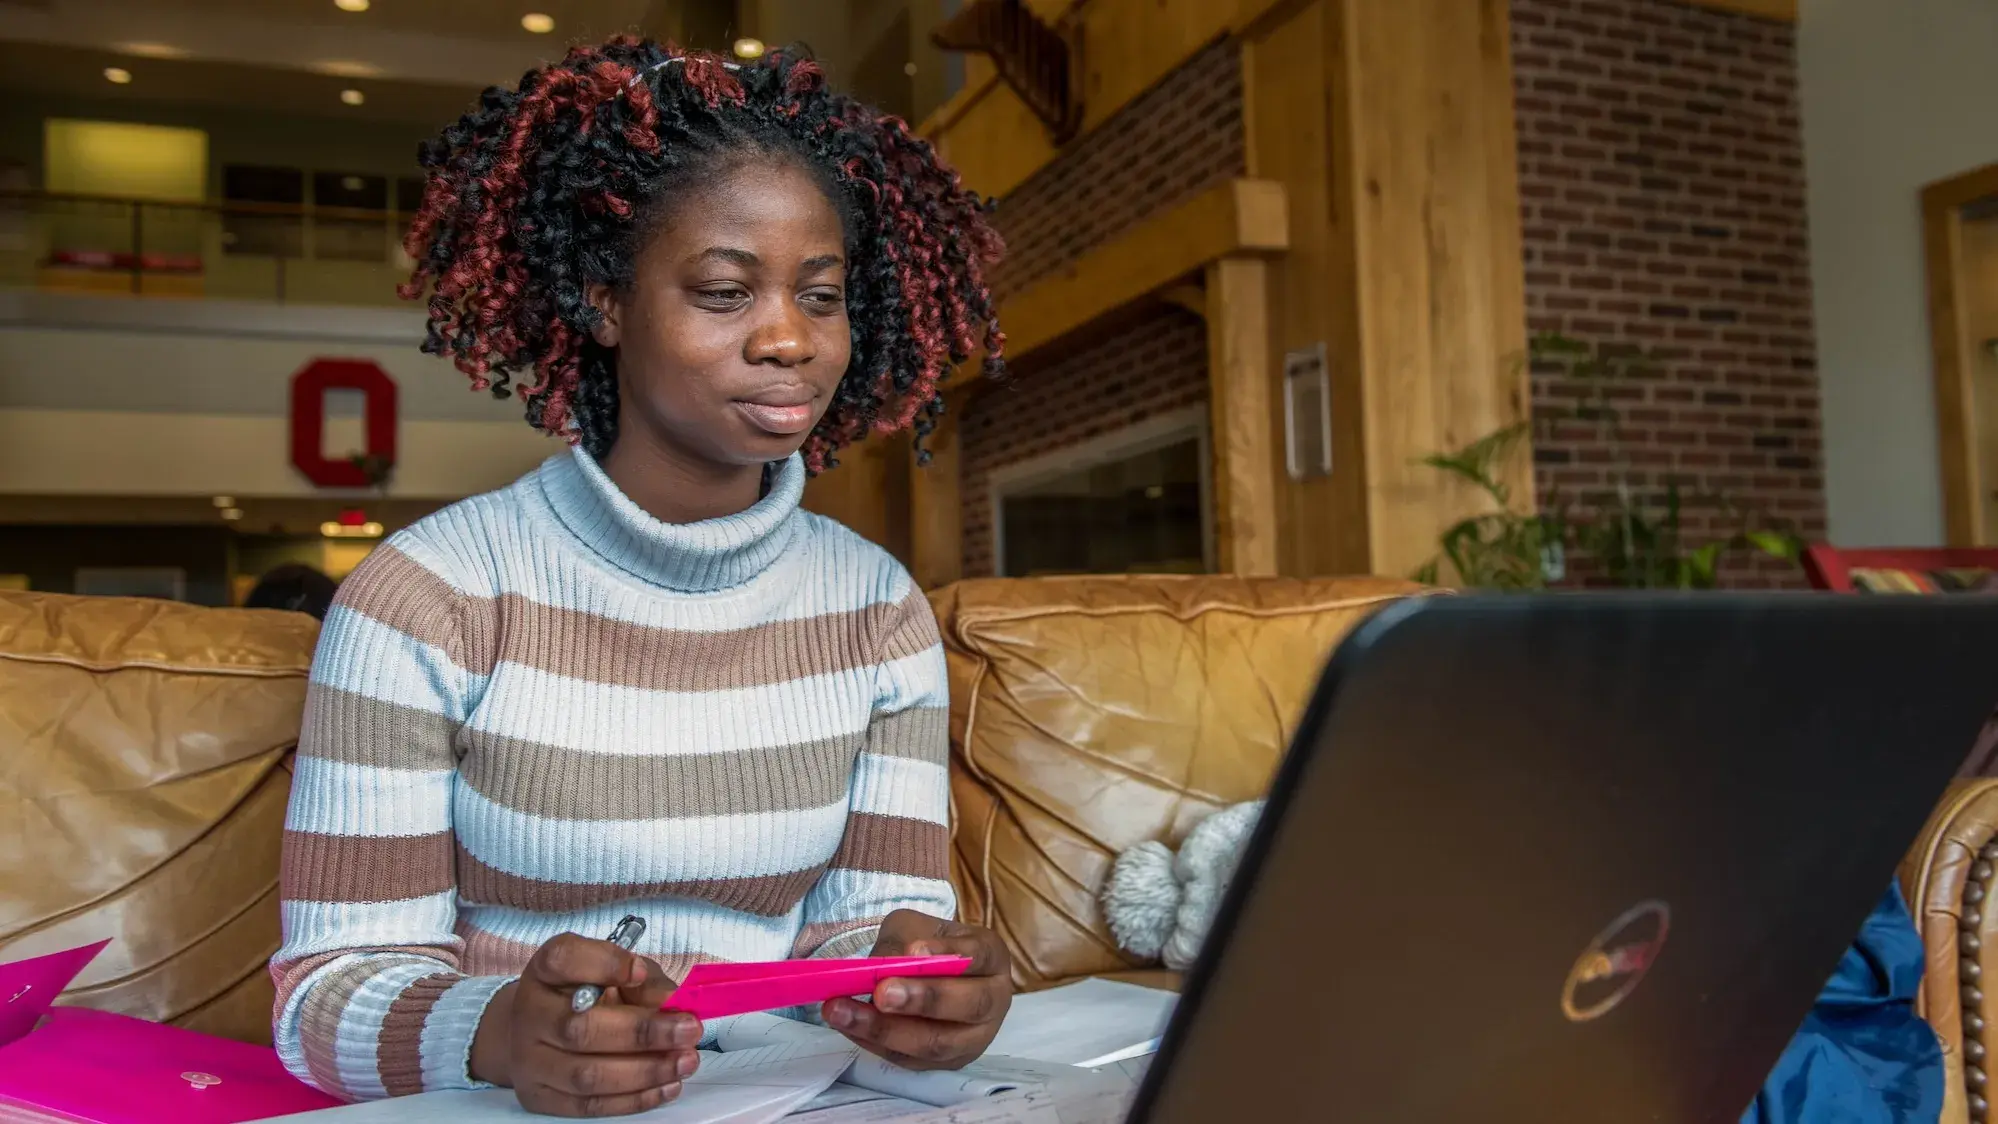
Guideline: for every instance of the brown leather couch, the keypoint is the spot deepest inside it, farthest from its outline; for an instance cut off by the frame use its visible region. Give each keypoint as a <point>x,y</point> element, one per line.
<point>144,750</point>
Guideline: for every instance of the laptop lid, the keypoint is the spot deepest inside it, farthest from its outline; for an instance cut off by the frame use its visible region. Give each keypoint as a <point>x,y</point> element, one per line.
<point>1574,858</point>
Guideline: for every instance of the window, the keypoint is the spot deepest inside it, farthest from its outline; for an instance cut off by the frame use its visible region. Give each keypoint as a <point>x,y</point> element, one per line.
<point>280,234</point>
<point>350,217</point>
<point>1134,502</point>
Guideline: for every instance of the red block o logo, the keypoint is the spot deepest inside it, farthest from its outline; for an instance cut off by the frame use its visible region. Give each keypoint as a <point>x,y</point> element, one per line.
<point>308,419</point>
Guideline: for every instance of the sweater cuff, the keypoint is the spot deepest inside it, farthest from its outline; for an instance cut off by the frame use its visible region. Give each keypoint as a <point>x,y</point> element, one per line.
<point>450,1029</point>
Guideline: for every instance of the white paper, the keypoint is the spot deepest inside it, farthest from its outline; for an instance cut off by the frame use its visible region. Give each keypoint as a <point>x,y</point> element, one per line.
<point>1083,1021</point>
<point>987,1077</point>
<point>748,1087</point>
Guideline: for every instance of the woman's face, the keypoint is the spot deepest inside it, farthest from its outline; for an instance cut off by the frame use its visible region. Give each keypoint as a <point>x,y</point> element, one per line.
<point>733,333</point>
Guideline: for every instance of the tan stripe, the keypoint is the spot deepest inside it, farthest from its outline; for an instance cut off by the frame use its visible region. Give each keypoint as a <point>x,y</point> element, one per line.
<point>352,868</point>
<point>572,784</point>
<point>399,1046</point>
<point>397,591</point>
<point>319,1020</point>
<point>357,730</point>
<point>920,733</point>
<point>894,845</point>
<point>487,954</point>
<point>286,975</point>
<point>767,895</point>
<point>915,629</point>
<point>832,939</point>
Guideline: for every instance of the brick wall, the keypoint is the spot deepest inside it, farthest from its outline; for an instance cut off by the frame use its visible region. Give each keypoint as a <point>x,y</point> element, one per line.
<point>1171,143</point>
<point>1177,139</point>
<point>1154,366</point>
<point>1661,174</point>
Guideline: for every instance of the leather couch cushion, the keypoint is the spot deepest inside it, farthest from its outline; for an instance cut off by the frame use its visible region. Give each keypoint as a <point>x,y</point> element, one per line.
<point>144,747</point>
<point>1949,882</point>
<point>1090,714</point>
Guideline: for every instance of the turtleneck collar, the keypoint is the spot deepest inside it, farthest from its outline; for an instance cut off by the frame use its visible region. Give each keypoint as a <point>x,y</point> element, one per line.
<point>703,557</point>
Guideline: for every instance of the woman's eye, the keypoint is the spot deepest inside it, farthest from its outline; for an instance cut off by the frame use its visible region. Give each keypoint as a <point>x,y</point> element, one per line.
<point>823,300</point>
<point>722,296</point>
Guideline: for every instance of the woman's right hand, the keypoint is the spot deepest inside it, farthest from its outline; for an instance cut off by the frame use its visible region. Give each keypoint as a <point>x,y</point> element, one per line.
<point>622,1056</point>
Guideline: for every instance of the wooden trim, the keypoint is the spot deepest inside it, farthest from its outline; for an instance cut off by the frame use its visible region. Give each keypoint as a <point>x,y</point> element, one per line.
<point>1238,374</point>
<point>1239,218</point>
<point>1954,354</point>
<point>936,501</point>
<point>1782,11</point>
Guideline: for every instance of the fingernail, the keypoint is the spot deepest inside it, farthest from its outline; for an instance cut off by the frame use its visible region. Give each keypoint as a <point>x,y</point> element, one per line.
<point>670,1091</point>
<point>685,1066</point>
<point>839,1014</point>
<point>920,949</point>
<point>687,1031</point>
<point>891,996</point>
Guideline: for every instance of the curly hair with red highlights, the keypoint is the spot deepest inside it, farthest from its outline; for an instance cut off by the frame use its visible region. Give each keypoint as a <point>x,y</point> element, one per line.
<point>547,189</point>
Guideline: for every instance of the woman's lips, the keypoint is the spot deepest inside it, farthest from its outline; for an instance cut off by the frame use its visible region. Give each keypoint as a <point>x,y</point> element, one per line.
<point>779,418</point>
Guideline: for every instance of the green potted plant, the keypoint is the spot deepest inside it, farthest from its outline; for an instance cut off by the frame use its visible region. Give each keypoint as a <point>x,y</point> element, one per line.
<point>1638,542</point>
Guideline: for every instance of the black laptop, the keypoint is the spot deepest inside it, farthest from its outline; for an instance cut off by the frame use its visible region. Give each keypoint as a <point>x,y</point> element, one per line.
<point>1572,859</point>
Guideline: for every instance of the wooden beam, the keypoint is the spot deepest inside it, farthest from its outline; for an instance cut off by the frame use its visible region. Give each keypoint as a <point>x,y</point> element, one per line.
<point>1192,298</point>
<point>1955,353</point>
<point>1782,11</point>
<point>996,143</point>
<point>1425,187</point>
<point>1238,377</point>
<point>1241,217</point>
<point>936,501</point>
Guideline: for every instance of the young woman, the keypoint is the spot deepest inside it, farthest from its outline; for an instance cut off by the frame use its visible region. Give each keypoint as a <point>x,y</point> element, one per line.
<point>641,680</point>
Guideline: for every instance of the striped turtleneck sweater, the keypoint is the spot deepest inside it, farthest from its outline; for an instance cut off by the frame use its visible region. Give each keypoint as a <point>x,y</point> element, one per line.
<point>542,709</point>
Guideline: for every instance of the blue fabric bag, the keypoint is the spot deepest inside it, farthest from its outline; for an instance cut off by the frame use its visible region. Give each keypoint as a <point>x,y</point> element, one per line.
<point>1862,1055</point>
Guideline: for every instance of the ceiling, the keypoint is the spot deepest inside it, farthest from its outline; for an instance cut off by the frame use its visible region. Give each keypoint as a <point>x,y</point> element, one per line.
<point>493,20</point>
<point>65,73</point>
<point>414,60</point>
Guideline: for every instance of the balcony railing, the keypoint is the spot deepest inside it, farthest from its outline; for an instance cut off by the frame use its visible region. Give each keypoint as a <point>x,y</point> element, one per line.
<point>232,251</point>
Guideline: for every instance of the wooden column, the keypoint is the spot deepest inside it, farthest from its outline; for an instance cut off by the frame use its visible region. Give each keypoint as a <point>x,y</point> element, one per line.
<point>1238,374</point>
<point>936,501</point>
<point>1390,125</point>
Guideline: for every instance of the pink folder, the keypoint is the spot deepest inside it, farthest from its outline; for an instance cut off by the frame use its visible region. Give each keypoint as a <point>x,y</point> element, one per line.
<point>104,1068</point>
<point>711,991</point>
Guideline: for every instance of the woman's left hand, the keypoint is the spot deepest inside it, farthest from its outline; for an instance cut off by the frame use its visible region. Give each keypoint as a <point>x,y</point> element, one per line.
<point>939,1023</point>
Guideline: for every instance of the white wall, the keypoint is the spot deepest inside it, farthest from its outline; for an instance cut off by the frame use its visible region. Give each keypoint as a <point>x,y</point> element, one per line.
<point>1897,94</point>
<point>123,397</point>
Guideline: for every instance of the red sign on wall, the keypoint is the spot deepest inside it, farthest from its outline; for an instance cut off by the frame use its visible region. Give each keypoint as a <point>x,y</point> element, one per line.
<point>308,419</point>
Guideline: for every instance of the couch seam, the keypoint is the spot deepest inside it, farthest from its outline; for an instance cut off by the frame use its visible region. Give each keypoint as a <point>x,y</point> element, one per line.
<point>292,671</point>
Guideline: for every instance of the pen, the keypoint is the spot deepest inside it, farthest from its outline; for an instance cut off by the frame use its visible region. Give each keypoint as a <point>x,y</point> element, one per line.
<point>624,936</point>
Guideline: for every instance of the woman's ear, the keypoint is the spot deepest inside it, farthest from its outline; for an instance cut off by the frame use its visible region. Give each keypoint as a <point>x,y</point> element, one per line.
<point>603,298</point>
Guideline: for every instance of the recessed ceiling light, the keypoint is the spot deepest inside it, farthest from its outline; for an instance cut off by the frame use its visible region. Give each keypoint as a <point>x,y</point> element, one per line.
<point>231,514</point>
<point>539,23</point>
<point>351,5</point>
<point>117,75</point>
<point>909,69</point>
<point>151,50</point>
<point>749,48</point>
<point>352,97</point>
<point>225,501</point>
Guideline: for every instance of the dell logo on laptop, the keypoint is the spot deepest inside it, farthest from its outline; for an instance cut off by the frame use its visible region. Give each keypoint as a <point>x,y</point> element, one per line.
<point>1615,962</point>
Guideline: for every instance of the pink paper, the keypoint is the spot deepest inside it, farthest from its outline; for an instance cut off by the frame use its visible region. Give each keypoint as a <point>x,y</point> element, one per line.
<point>105,1068</point>
<point>114,1069</point>
<point>30,987</point>
<point>711,991</point>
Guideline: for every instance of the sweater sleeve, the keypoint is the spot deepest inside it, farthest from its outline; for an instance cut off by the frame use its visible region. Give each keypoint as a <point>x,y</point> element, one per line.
<point>370,998</point>
<point>896,850</point>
